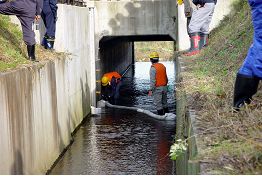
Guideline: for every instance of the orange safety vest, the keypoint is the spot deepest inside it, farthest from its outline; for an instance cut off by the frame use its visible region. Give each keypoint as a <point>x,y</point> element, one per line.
<point>111,74</point>
<point>161,78</point>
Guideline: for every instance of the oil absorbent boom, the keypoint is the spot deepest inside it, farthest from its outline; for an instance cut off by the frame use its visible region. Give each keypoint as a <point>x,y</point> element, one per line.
<point>167,116</point>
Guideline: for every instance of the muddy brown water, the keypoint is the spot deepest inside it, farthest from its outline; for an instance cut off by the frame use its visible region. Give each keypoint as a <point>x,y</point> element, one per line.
<point>122,142</point>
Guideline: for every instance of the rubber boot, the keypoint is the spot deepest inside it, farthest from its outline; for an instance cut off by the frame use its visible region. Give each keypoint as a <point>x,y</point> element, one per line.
<point>194,41</point>
<point>44,42</point>
<point>245,88</point>
<point>50,43</point>
<point>31,52</point>
<point>161,112</point>
<point>203,40</point>
<point>166,110</point>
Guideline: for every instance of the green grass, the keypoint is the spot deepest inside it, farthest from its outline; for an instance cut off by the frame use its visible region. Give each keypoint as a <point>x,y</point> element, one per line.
<point>234,146</point>
<point>11,52</point>
<point>143,49</point>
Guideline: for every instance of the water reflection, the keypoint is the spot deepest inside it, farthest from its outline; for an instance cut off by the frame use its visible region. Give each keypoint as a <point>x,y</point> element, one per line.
<point>122,142</point>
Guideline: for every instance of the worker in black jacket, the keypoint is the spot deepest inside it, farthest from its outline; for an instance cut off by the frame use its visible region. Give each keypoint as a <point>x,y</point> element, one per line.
<point>26,11</point>
<point>198,28</point>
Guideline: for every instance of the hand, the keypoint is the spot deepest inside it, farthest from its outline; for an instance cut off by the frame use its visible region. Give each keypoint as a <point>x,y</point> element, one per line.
<point>37,17</point>
<point>150,93</point>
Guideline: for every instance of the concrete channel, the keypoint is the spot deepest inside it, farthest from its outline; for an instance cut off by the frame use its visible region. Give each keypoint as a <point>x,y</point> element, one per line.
<point>42,104</point>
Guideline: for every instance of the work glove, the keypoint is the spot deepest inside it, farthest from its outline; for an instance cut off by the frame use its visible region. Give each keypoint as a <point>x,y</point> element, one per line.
<point>179,2</point>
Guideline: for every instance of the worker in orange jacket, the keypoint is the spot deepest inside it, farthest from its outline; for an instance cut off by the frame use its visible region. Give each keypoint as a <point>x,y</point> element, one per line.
<point>158,84</point>
<point>111,83</point>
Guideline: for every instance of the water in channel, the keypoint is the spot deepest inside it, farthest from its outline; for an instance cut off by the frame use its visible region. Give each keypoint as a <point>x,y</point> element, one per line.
<point>122,142</point>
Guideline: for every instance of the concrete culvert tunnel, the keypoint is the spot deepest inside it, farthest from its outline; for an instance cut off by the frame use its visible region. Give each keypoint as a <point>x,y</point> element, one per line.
<point>122,141</point>
<point>117,53</point>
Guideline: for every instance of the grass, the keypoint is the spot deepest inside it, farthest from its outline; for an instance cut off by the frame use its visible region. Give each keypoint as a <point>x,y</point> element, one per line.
<point>13,52</point>
<point>233,145</point>
<point>164,49</point>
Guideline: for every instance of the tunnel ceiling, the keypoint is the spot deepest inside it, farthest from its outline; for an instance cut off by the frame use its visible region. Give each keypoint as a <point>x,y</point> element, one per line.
<point>134,38</point>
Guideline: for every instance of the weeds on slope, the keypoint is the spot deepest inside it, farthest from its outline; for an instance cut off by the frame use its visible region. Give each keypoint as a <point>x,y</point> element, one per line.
<point>232,142</point>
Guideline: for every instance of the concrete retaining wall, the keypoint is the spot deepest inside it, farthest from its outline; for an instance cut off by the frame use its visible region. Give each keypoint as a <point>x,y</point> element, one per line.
<point>42,104</point>
<point>40,107</point>
<point>185,165</point>
<point>142,17</point>
<point>223,8</point>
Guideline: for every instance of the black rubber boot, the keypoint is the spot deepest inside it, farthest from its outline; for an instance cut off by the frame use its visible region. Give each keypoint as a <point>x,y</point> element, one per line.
<point>194,41</point>
<point>166,110</point>
<point>50,42</point>
<point>245,88</point>
<point>161,112</point>
<point>203,40</point>
<point>31,52</point>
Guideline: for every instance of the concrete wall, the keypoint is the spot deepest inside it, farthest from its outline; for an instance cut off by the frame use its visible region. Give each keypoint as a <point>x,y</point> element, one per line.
<point>223,8</point>
<point>116,56</point>
<point>185,163</point>
<point>40,107</point>
<point>42,104</point>
<point>147,17</point>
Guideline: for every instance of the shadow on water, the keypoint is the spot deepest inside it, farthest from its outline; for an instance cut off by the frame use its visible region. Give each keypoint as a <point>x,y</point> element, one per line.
<point>120,141</point>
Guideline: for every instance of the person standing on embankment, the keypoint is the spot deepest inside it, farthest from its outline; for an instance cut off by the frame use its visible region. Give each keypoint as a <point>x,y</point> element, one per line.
<point>49,16</point>
<point>26,11</point>
<point>198,27</point>
<point>250,73</point>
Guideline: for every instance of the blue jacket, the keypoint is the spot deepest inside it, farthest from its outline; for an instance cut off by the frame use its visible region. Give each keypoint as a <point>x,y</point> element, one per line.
<point>252,65</point>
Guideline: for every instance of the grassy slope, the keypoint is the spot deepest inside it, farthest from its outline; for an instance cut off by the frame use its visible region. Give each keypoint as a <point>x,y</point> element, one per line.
<point>12,48</point>
<point>232,141</point>
<point>11,53</point>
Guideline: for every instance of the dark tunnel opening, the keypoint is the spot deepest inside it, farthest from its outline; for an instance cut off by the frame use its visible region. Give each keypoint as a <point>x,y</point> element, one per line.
<point>117,53</point>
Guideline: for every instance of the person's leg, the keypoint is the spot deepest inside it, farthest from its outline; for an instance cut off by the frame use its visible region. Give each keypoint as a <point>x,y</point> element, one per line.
<point>198,19</point>
<point>187,23</point>
<point>117,91</point>
<point>245,88</point>
<point>157,97</point>
<point>28,35</point>
<point>204,30</point>
<point>50,23</point>
<point>164,100</point>
<point>44,41</point>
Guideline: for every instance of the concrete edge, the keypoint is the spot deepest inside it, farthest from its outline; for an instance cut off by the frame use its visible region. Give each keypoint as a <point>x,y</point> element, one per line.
<point>186,119</point>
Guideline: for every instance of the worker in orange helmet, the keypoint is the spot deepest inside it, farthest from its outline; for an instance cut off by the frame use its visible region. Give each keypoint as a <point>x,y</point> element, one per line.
<point>158,84</point>
<point>111,83</point>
